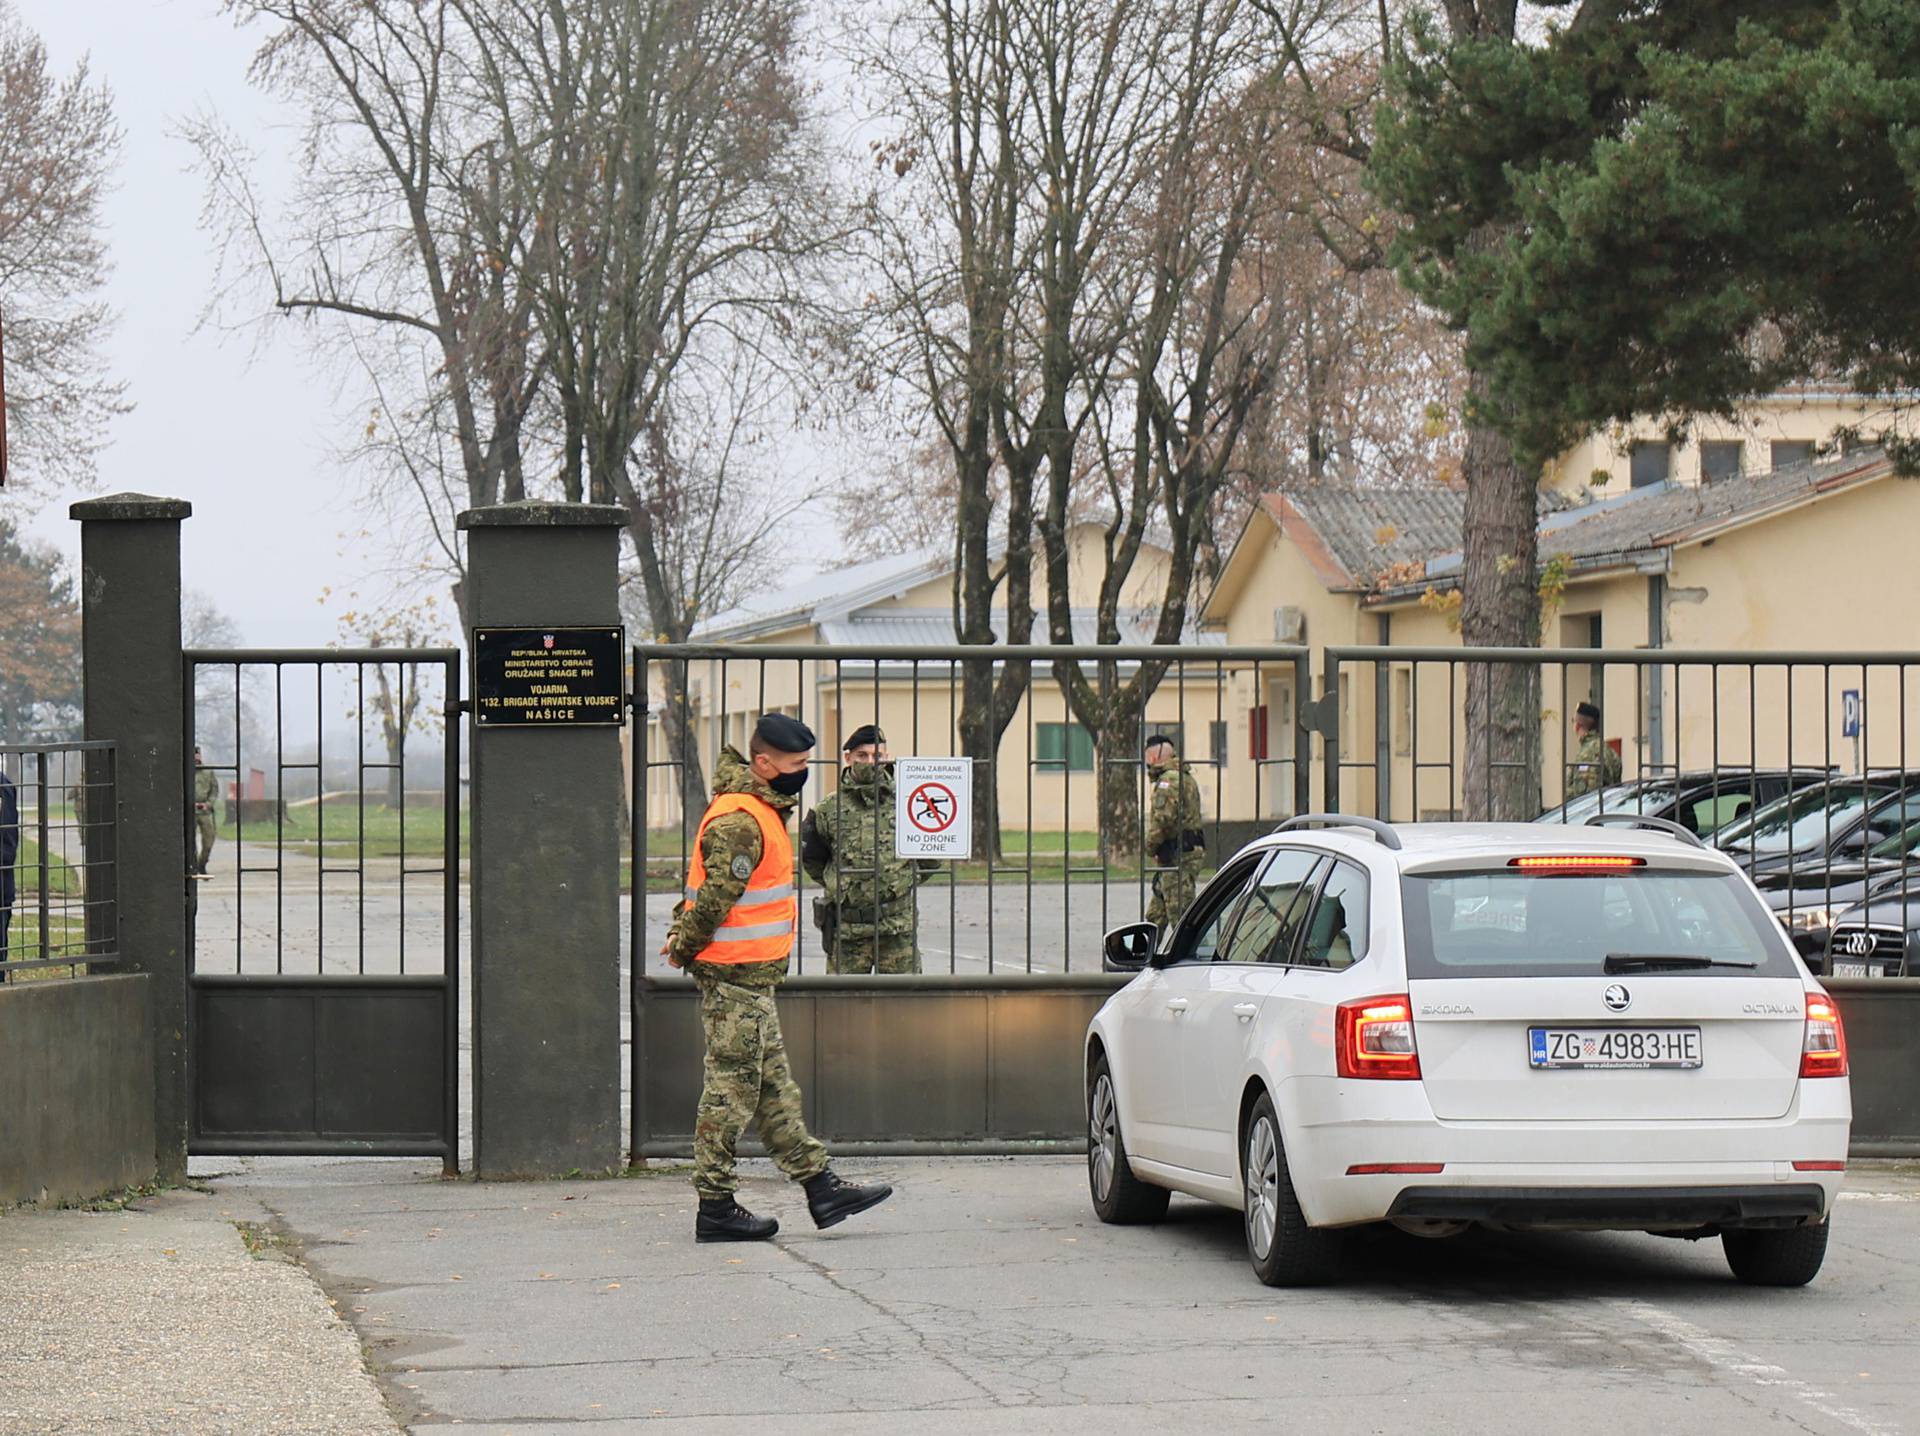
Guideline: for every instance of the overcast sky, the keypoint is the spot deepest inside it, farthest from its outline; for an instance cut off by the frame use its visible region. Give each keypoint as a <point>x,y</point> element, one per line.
<point>241,429</point>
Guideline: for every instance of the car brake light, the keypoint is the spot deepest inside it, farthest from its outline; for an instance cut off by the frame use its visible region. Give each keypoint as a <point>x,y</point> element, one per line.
<point>1376,1169</point>
<point>1577,862</point>
<point>1819,1166</point>
<point>1373,1037</point>
<point>1824,1053</point>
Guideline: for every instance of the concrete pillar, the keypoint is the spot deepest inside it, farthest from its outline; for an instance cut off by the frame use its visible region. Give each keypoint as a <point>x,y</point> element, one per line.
<point>545,864</point>
<point>130,608</point>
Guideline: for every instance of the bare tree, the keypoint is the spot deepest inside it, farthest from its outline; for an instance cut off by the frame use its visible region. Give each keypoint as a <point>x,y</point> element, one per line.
<point>58,146</point>
<point>395,704</point>
<point>400,223</point>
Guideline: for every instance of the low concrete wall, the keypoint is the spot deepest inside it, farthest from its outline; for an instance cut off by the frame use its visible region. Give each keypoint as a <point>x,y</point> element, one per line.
<point>992,1064</point>
<point>76,1088</point>
<point>898,1065</point>
<point>1882,1018</point>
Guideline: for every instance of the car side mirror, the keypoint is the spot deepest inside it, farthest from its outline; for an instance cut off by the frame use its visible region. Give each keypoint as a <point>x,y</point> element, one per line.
<point>1129,948</point>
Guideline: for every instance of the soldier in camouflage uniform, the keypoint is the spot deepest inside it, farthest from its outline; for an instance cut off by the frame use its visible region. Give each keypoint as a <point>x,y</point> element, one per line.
<point>1594,765</point>
<point>1175,843</point>
<point>866,912</point>
<point>206,792</point>
<point>733,933</point>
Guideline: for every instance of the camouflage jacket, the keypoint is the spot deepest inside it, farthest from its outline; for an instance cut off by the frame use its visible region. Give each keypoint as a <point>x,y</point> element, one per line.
<point>1595,765</point>
<point>730,848</point>
<point>1173,813</point>
<point>206,788</point>
<point>846,846</point>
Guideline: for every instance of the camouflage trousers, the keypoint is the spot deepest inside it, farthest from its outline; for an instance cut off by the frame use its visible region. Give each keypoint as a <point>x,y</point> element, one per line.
<point>747,1079</point>
<point>863,950</point>
<point>204,825</point>
<point>1173,892</point>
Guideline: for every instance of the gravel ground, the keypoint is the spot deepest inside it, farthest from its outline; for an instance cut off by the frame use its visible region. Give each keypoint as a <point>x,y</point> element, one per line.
<point>159,1319</point>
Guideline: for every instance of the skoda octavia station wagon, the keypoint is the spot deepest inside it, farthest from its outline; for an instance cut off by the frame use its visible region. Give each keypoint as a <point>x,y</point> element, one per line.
<point>1441,1025</point>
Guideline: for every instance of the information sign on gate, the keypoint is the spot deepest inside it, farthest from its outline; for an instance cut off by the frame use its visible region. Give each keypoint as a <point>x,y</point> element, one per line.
<point>933,808</point>
<point>549,677</point>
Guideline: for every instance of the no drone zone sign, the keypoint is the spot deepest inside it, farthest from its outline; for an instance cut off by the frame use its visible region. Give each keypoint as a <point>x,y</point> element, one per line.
<point>933,808</point>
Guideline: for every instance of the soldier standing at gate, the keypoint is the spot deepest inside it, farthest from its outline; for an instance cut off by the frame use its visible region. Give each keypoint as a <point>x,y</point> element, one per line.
<point>206,792</point>
<point>734,934</point>
<point>1594,765</point>
<point>1175,842</point>
<point>866,915</point>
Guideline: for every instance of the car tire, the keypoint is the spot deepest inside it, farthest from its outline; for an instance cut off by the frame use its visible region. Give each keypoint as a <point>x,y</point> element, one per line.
<point>1791,1257</point>
<point>1284,1250</point>
<point>1119,1197</point>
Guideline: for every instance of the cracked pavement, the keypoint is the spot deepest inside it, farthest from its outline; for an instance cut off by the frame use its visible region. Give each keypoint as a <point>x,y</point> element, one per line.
<point>986,1297</point>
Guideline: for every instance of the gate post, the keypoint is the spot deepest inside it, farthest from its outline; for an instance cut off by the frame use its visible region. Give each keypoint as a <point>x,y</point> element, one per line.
<point>136,695</point>
<point>546,863</point>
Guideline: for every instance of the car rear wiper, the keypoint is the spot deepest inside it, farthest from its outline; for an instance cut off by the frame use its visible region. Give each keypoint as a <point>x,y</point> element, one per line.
<point>1653,961</point>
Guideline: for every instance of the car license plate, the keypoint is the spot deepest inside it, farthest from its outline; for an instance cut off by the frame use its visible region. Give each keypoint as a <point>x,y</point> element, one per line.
<point>1607,1048</point>
<point>1852,969</point>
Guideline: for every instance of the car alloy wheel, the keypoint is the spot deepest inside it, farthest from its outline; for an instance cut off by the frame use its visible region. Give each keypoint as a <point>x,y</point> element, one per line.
<point>1103,1138</point>
<point>1263,1187</point>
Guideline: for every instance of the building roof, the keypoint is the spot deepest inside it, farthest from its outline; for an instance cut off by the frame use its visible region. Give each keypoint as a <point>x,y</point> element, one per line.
<point>933,627</point>
<point>833,592</point>
<point>1632,529</point>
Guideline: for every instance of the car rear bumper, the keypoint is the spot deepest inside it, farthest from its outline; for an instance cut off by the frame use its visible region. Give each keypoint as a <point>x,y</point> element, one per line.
<point>1614,1208</point>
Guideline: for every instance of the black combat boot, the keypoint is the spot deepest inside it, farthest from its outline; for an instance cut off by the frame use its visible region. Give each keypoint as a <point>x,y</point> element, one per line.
<point>722,1219</point>
<point>832,1201</point>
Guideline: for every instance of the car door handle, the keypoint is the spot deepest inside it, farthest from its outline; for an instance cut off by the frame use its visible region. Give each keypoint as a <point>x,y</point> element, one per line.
<point>1176,1004</point>
<point>1245,1010</point>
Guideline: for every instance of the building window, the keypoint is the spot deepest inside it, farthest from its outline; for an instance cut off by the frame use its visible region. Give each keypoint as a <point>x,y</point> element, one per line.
<point>1651,464</point>
<point>1720,459</point>
<point>1788,452</point>
<point>1065,746</point>
<point>1257,732</point>
<point>1217,743</point>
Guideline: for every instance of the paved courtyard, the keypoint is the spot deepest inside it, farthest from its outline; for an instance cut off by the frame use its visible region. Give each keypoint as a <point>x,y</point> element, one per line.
<point>983,1297</point>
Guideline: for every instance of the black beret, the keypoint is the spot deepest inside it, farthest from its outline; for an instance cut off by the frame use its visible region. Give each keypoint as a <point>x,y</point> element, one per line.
<point>784,734</point>
<point>1156,739</point>
<point>863,735</point>
<point>1587,710</point>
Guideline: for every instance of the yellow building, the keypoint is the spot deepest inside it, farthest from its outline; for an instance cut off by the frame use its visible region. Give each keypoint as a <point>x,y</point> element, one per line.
<point>1811,558</point>
<point>820,627</point>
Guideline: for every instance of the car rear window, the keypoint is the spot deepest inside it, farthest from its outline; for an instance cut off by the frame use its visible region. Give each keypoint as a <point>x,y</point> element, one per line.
<point>1503,923</point>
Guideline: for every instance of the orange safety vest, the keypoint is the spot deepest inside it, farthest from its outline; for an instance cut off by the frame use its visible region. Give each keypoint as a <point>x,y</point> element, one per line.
<point>759,927</point>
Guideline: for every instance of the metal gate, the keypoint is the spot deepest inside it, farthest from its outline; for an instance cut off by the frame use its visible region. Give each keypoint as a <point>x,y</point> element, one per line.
<point>324,938</point>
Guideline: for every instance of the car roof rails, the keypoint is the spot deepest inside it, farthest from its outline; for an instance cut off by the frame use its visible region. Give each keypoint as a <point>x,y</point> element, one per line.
<point>1384,832</point>
<point>1640,820</point>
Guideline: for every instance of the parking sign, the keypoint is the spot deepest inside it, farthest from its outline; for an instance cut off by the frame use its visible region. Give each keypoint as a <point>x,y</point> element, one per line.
<point>1851,711</point>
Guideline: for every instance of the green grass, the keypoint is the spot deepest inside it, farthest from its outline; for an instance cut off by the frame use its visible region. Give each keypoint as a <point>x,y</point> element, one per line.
<point>308,830</point>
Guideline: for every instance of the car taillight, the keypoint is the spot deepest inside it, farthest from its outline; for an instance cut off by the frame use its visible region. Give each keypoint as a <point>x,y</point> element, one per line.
<point>1824,1053</point>
<point>1373,1037</point>
<point>1577,863</point>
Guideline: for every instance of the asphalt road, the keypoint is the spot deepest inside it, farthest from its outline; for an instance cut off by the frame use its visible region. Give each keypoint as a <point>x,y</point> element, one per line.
<point>986,1298</point>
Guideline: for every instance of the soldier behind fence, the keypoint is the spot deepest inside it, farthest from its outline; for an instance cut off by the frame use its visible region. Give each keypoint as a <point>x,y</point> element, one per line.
<point>866,911</point>
<point>734,934</point>
<point>206,792</point>
<point>9,854</point>
<point>1175,843</point>
<point>1594,765</point>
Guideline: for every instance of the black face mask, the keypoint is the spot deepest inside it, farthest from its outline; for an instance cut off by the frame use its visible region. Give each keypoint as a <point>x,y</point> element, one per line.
<point>788,784</point>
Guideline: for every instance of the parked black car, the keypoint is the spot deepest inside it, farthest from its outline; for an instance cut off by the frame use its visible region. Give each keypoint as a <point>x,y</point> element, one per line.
<point>1703,800</point>
<point>1836,821</point>
<point>1881,937</point>
<point>1809,899</point>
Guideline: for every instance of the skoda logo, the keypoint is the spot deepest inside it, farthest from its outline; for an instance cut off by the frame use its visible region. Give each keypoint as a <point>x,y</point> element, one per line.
<point>1859,944</point>
<point>1617,998</point>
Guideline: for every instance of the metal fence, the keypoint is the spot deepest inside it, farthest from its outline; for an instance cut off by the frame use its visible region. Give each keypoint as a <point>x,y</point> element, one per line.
<point>324,927</point>
<point>1058,857</point>
<point>59,911</point>
<point>1706,739</point>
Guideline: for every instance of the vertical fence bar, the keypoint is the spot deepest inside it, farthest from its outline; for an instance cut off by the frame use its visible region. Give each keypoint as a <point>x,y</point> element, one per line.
<point>450,903</point>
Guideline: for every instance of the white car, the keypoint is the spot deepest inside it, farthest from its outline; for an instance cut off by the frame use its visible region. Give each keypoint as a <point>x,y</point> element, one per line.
<point>1438,1025</point>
